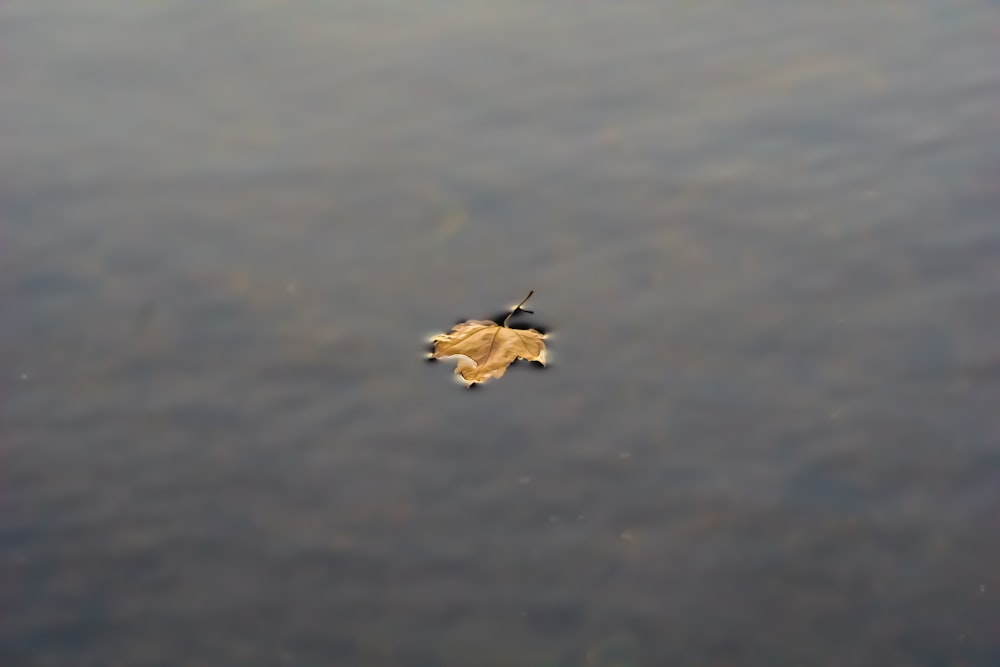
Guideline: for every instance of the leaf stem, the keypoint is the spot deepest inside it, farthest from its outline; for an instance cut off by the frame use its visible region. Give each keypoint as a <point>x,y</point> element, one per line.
<point>518,307</point>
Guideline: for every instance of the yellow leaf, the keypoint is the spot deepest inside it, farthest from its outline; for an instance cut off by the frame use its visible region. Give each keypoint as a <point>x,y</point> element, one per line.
<point>485,349</point>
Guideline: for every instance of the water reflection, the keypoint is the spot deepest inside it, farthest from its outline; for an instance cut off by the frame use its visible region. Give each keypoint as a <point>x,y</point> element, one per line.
<point>766,242</point>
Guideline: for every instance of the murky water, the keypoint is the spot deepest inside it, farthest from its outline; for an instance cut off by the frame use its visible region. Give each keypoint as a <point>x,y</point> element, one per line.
<point>765,235</point>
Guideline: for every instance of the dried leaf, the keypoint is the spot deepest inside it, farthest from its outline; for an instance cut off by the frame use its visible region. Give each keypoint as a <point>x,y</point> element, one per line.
<point>485,349</point>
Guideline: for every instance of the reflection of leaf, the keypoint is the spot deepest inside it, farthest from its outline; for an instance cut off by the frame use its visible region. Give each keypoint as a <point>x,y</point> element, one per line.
<point>485,349</point>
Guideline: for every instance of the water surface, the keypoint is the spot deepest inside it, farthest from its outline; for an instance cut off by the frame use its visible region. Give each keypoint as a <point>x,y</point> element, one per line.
<point>765,236</point>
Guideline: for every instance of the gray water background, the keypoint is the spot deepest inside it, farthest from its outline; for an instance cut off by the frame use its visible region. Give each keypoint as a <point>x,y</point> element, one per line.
<point>765,235</point>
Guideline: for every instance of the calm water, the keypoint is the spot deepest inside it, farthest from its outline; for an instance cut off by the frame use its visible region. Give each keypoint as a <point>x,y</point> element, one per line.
<point>766,236</point>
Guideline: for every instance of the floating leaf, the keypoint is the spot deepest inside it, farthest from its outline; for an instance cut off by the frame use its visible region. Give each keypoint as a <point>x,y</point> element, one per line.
<point>485,349</point>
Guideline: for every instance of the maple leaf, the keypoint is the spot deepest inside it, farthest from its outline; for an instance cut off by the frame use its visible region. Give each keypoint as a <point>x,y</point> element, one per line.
<point>485,349</point>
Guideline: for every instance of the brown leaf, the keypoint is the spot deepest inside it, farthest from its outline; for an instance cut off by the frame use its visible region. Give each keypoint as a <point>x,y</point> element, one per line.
<point>485,349</point>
